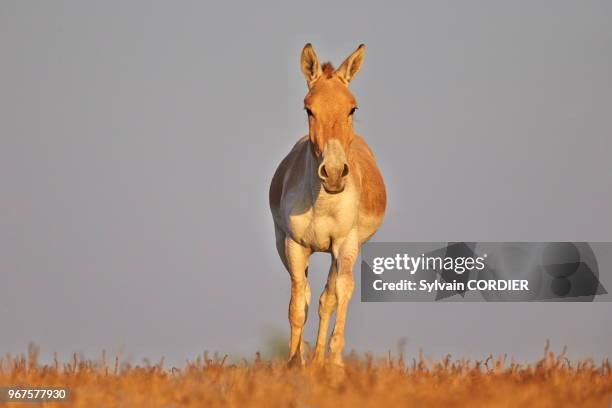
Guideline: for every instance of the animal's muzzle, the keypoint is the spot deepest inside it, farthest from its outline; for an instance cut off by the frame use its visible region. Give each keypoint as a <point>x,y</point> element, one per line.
<point>334,168</point>
<point>332,177</point>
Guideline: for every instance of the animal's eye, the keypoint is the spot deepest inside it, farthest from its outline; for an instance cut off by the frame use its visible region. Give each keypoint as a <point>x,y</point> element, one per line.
<point>352,110</point>
<point>309,112</point>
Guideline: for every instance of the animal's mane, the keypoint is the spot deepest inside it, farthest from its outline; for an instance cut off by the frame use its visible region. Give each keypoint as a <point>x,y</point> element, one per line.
<point>328,69</point>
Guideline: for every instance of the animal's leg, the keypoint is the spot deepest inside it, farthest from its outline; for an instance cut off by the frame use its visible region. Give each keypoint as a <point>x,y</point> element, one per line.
<point>346,253</point>
<point>297,262</point>
<point>327,305</point>
<point>307,295</point>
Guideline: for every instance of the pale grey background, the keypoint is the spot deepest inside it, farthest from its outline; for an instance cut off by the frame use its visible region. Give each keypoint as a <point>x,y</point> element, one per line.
<point>138,140</point>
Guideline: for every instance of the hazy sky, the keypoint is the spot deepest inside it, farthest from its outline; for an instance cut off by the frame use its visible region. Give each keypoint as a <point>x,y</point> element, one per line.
<point>138,140</point>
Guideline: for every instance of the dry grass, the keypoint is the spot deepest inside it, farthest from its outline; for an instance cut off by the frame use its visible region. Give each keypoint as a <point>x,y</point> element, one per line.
<point>365,382</point>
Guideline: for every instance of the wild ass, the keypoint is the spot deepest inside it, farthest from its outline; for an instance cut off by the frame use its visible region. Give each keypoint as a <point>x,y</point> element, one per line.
<point>327,195</point>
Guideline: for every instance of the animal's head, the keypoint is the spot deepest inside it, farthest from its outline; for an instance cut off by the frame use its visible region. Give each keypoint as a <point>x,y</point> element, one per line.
<point>330,106</point>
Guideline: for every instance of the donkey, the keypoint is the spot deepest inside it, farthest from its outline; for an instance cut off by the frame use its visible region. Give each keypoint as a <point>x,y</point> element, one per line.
<point>327,195</point>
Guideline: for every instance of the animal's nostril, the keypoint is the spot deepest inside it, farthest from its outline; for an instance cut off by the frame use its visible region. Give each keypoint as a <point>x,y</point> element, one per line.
<point>323,171</point>
<point>345,170</point>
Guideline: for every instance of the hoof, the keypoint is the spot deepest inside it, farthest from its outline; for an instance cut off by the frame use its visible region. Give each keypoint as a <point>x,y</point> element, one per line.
<point>336,373</point>
<point>318,360</point>
<point>337,362</point>
<point>295,362</point>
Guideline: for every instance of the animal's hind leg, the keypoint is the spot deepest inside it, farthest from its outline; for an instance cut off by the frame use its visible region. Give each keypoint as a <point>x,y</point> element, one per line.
<point>327,305</point>
<point>297,263</point>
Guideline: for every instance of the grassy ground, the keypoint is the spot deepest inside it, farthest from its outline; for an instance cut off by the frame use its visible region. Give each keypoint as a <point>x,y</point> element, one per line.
<point>364,382</point>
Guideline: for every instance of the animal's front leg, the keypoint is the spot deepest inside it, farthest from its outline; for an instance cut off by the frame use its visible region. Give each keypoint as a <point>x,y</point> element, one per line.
<point>327,305</point>
<point>346,253</point>
<point>297,262</point>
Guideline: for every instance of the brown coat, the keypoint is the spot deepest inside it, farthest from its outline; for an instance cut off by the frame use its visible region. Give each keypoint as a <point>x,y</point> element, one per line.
<point>327,195</point>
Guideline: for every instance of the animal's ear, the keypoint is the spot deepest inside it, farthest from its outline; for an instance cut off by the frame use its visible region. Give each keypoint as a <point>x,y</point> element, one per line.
<point>349,68</point>
<point>310,64</point>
